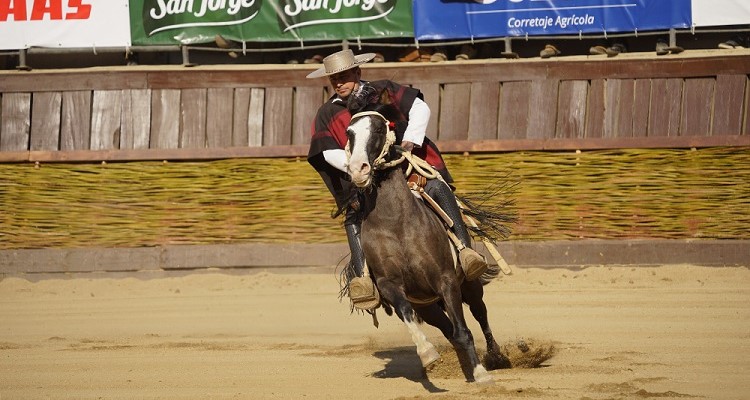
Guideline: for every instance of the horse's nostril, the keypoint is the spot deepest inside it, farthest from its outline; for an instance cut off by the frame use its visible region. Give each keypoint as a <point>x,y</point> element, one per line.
<point>365,168</point>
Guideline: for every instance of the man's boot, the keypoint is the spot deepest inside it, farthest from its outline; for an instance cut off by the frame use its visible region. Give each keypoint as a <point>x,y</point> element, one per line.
<point>473,264</point>
<point>362,290</point>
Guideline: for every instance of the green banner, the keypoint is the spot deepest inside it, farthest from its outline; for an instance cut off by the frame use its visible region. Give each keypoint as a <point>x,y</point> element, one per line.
<point>199,21</point>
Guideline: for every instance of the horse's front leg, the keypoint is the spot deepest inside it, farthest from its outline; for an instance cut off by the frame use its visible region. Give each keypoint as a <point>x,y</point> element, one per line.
<point>395,295</point>
<point>463,340</point>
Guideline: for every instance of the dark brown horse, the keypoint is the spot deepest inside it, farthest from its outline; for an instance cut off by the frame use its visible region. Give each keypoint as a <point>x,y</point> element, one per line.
<point>409,254</point>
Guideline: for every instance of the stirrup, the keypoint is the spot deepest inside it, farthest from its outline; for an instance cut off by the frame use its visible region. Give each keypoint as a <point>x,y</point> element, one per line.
<point>472,263</point>
<point>363,293</point>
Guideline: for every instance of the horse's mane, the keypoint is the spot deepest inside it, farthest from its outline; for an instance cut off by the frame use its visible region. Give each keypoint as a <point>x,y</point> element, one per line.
<point>368,98</point>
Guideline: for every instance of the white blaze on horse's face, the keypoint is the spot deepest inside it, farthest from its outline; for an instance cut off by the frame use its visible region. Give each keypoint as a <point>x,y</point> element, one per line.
<point>359,167</point>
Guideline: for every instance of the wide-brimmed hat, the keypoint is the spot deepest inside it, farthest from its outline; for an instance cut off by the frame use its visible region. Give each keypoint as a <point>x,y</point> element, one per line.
<point>340,61</point>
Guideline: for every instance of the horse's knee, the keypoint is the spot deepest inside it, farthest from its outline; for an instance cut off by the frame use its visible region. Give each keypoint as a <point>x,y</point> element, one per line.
<point>463,338</point>
<point>404,311</point>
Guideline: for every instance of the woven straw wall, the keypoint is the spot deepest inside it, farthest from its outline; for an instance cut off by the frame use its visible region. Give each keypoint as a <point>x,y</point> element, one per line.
<point>674,194</point>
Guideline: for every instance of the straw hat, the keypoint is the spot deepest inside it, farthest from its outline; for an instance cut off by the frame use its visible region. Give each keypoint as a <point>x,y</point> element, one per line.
<point>340,61</point>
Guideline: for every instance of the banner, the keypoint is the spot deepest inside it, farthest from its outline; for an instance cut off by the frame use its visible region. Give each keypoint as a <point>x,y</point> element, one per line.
<point>721,12</point>
<point>452,19</point>
<point>63,23</point>
<point>198,21</point>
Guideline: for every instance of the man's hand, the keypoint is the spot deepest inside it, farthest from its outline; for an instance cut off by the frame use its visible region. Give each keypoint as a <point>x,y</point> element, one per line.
<point>408,146</point>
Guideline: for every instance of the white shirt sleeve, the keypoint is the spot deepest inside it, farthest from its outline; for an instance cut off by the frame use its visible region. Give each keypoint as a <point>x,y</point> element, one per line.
<point>419,116</point>
<point>337,158</point>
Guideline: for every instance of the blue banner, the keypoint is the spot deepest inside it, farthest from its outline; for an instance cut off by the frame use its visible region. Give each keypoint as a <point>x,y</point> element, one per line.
<point>454,19</point>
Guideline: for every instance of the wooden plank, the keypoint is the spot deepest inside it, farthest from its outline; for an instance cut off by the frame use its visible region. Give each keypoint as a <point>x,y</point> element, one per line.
<point>193,119</point>
<point>46,109</point>
<point>746,125</point>
<point>697,101</point>
<point>642,99</point>
<point>618,107</point>
<point>165,119</point>
<point>611,96</point>
<point>102,78</point>
<point>665,107</point>
<point>624,107</point>
<point>513,115</point>
<point>431,93</point>
<point>728,104</point>
<point>543,109</point>
<point>16,121</point>
<point>571,109</point>
<point>75,129</point>
<point>454,111</point>
<point>240,116</point>
<point>483,110</point>
<point>106,110</point>
<point>595,109</point>
<point>256,117</point>
<point>307,100</point>
<point>277,116</point>
<point>219,117</point>
<point>136,119</point>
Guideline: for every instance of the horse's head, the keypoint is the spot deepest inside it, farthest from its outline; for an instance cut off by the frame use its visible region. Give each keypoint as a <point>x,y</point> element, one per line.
<point>369,133</point>
<point>369,142</point>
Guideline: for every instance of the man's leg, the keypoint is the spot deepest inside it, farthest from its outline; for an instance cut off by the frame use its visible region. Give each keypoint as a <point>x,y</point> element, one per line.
<point>362,290</point>
<point>472,262</point>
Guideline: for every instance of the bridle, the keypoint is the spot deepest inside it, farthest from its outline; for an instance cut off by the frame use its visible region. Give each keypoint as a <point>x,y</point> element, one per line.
<point>390,138</point>
<point>379,163</point>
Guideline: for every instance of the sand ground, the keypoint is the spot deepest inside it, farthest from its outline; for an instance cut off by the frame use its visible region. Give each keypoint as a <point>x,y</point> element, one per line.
<point>621,333</point>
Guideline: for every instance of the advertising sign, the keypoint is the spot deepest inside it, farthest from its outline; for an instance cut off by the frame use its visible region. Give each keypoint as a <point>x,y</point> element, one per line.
<point>198,21</point>
<point>721,12</point>
<point>63,23</point>
<point>500,18</point>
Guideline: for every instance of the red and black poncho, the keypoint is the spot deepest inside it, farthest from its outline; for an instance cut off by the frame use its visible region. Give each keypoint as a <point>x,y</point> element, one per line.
<point>329,133</point>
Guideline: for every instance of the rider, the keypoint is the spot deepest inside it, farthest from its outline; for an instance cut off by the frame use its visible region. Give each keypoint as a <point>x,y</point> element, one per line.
<point>328,157</point>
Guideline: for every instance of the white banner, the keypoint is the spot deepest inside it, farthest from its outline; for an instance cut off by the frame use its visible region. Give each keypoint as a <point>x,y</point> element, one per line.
<point>64,23</point>
<point>721,12</point>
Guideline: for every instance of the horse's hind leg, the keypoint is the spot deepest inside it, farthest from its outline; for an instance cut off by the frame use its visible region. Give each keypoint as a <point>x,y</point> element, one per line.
<point>472,293</point>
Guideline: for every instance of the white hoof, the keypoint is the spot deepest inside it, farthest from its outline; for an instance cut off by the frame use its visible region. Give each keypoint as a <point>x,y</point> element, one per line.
<point>428,356</point>
<point>481,375</point>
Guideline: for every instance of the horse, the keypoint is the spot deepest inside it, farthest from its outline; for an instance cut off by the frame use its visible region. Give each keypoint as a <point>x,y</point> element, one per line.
<point>410,255</point>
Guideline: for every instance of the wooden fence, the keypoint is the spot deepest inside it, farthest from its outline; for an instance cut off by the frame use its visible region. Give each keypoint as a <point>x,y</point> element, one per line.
<point>171,112</point>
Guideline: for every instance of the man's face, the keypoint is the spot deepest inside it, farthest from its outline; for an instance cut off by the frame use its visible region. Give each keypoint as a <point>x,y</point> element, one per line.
<point>345,82</point>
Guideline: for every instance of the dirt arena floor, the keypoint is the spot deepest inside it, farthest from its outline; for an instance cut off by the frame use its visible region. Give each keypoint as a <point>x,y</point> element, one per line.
<point>620,333</point>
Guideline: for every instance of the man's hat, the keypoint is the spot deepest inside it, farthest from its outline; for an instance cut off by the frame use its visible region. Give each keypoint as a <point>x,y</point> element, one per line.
<point>340,61</point>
